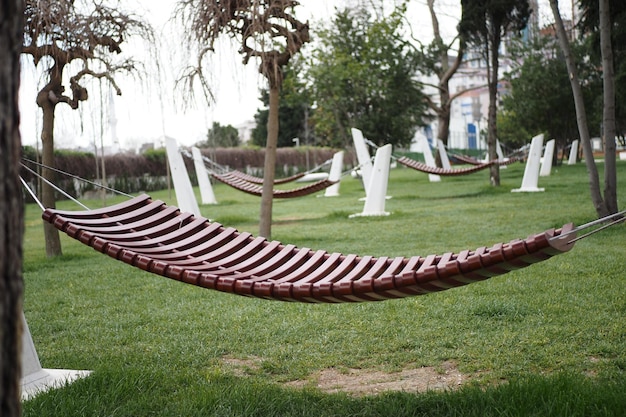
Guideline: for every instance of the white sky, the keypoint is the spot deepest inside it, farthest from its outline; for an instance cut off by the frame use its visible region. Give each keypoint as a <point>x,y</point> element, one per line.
<point>146,111</point>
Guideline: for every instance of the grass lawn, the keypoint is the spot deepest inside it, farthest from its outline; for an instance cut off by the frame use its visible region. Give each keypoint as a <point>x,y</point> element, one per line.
<point>546,340</point>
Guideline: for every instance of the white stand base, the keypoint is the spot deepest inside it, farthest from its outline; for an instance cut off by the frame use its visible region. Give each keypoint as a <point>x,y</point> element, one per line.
<point>47,379</point>
<point>35,379</point>
<point>528,190</point>
<point>363,214</point>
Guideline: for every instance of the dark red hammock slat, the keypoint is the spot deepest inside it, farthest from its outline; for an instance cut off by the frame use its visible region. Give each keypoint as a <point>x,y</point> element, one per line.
<point>257,180</point>
<point>209,255</point>
<point>247,187</point>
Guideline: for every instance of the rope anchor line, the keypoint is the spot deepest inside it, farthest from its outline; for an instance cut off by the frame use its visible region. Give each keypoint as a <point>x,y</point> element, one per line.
<point>604,222</point>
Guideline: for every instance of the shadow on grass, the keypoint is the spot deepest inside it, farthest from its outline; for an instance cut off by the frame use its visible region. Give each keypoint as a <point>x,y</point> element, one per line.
<point>209,393</point>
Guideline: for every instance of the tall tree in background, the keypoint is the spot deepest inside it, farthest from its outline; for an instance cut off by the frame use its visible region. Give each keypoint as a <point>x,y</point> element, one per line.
<point>437,61</point>
<point>483,25</point>
<point>608,114</point>
<point>265,29</point>
<point>581,114</point>
<point>590,27</point>
<point>539,97</point>
<point>220,136</point>
<point>603,21</point>
<point>295,112</point>
<point>73,41</point>
<point>11,210</point>
<point>363,75</point>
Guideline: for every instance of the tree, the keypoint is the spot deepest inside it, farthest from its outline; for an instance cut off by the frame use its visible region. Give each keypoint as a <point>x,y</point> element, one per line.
<point>483,24</point>
<point>11,209</point>
<point>362,74</point>
<point>590,26</point>
<point>220,136</point>
<point>539,97</point>
<point>581,114</point>
<point>436,60</point>
<point>265,29</point>
<point>295,112</point>
<point>73,42</point>
<point>610,14</point>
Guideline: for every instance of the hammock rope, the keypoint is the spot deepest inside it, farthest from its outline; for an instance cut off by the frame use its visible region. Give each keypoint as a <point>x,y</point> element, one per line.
<point>51,184</point>
<point>602,223</point>
<point>160,239</point>
<point>67,174</point>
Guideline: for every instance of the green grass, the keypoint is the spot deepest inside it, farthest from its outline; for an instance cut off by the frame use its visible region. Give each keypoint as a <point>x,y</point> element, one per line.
<point>546,340</point>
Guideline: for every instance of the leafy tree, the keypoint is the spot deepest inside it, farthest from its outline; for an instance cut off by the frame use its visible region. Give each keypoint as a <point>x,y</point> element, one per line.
<point>295,112</point>
<point>364,76</point>
<point>590,27</point>
<point>581,114</point>
<point>611,19</point>
<point>72,42</point>
<point>265,29</point>
<point>436,60</point>
<point>483,24</point>
<point>220,136</point>
<point>539,97</point>
<point>11,210</point>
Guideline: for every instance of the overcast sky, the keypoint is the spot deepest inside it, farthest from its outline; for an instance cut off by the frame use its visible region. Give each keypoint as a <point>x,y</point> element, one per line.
<point>152,107</point>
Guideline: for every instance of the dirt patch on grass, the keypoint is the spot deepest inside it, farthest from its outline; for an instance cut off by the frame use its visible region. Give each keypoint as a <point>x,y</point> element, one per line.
<point>369,382</point>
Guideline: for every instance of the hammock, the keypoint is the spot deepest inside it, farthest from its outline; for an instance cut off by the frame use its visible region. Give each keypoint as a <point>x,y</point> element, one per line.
<point>467,159</point>
<point>257,180</point>
<point>419,166</point>
<point>160,239</point>
<point>473,161</point>
<point>218,169</point>
<point>235,181</point>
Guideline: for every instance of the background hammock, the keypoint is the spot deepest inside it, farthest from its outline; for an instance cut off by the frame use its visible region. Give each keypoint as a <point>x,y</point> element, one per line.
<point>422,167</point>
<point>216,169</point>
<point>235,181</point>
<point>258,180</point>
<point>160,239</point>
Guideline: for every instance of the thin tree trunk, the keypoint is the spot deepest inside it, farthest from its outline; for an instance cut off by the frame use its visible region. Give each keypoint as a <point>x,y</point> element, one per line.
<point>51,234</point>
<point>581,114</point>
<point>11,209</point>
<point>610,174</point>
<point>492,129</point>
<point>444,75</point>
<point>267,197</point>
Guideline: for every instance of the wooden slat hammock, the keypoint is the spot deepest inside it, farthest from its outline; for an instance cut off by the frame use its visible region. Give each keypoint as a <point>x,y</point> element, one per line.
<point>235,181</point>
<point>259,180</point>
<point>420,166</point>
<point>467,159</point>
<point>157,238</point>
<point>218,169</point>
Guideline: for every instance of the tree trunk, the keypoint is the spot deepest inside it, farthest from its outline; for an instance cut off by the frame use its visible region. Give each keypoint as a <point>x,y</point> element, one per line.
<point>267,197</point>
<point>445,74</point>
<point>581,114</point>
<point>492,130</point>
<point>610,173</point>
<point>51,234</point>
<point>11,209</point>
<point>443,118</point>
